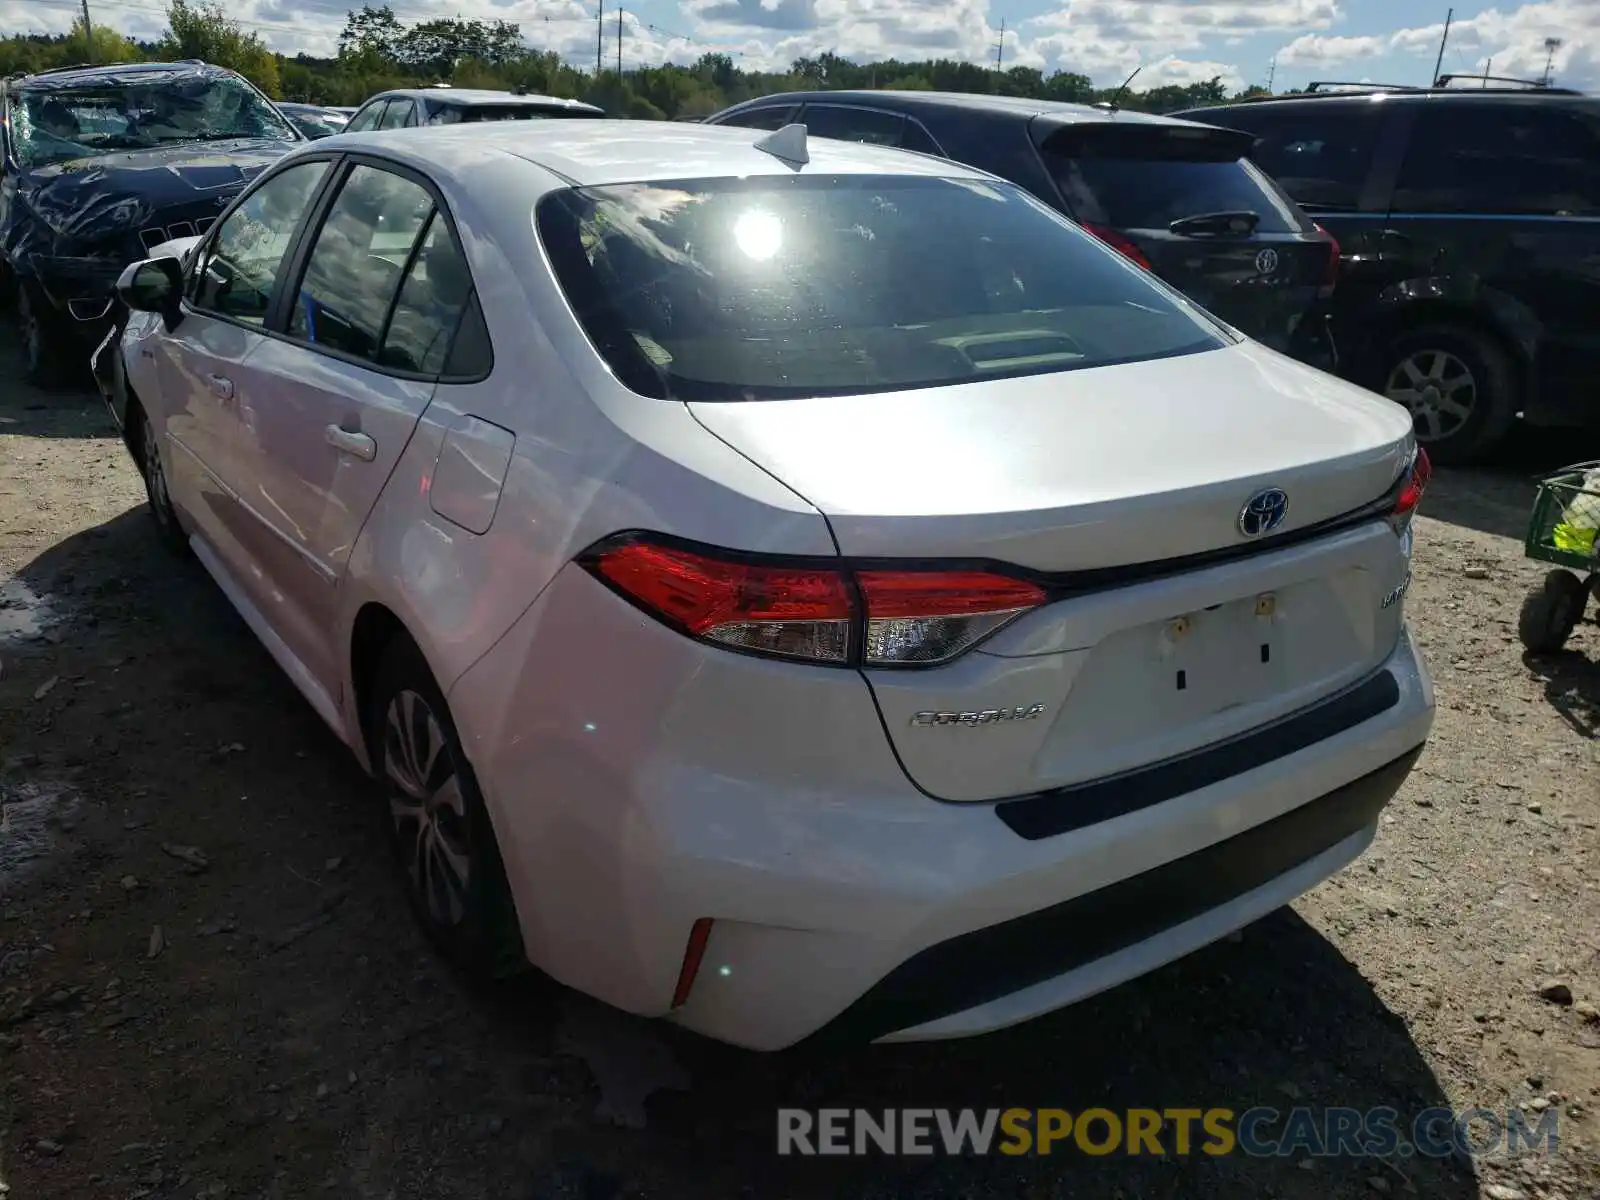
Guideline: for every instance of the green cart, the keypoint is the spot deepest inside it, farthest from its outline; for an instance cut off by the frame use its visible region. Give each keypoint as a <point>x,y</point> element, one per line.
<point>1563,531</point>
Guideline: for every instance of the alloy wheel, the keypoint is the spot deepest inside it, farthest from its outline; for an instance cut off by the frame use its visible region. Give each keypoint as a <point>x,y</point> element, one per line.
<point>1438,389</point>
<point>155,475</point>
<point>427,808</point>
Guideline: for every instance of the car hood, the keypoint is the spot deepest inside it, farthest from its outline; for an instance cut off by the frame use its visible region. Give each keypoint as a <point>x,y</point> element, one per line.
<point>84,199</point>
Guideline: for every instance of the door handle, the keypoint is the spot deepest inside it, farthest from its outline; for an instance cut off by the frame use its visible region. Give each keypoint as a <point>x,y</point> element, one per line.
<point>357,444</point>
<point>221,386</point>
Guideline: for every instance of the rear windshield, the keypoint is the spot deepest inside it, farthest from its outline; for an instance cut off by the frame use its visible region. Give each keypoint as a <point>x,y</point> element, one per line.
<point>777,287</point>
<point>1129,185</point>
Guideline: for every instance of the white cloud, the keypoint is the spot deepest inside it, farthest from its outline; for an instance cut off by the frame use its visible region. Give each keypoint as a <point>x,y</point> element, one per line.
<point>1319,50</point>
<point>1513,42</point>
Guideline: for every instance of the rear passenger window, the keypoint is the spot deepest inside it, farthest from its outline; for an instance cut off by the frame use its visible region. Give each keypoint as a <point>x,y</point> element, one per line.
<point>398,113</point>
<point>1319,153</point>
<point>242,261</point>
<point>430,303</point>
<point>1471,157</point>
<point>853,124</point>
<point>762,118</point>
<point>385,280</point>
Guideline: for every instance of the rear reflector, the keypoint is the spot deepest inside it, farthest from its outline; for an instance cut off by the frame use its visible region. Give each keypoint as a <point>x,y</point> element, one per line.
<point>699,935</point>
<point>824,614</point>
<point>1120,244</point>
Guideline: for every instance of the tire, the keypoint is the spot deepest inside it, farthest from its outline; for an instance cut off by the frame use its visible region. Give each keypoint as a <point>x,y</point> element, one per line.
<point>46,351</point>
<point>438,827</point>
<point>1552,612</point>
<point>1459,385</point>
<point>141,434</point>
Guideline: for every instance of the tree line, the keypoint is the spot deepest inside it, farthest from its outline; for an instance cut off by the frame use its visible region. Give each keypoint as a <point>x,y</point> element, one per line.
<point>378,51</point>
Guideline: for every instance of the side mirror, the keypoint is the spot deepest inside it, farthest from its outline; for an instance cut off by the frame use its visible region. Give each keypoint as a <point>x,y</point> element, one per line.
<point>154,285</point>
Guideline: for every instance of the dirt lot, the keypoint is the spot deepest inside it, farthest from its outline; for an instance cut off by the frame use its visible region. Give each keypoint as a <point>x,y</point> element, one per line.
<point>209,983</point>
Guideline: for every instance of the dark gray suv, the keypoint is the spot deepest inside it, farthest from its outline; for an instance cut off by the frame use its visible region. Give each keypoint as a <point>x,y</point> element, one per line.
<point>1178,198</point>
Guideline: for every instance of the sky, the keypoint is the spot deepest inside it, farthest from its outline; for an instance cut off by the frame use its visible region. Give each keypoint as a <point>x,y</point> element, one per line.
<point>1289,42</point>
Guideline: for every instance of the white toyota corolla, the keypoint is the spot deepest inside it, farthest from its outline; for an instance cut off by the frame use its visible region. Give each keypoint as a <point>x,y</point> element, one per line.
<point>791,588</point>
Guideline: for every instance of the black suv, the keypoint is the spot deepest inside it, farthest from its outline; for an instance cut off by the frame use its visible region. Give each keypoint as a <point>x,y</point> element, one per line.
<point>1173,196</point>
<point>98,165</point>
<point>1470,222</point>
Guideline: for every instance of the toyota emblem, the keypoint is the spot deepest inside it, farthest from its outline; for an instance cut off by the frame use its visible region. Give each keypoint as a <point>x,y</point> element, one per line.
<point>1266,262</point>
<point>1263,512</point>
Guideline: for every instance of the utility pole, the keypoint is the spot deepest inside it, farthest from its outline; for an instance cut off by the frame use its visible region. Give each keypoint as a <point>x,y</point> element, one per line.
<point>599,36</point>
<point>1439,62</point>
<point>88,37</point>
<point>1000,46</point>
<point>1272,73</point>
<point>619,43</point>
<point>1551,45</point>
<point>1487,63</point>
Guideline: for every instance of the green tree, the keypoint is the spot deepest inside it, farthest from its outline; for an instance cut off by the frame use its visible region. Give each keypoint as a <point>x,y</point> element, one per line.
<point>206,32</point>
<point>370,37</point>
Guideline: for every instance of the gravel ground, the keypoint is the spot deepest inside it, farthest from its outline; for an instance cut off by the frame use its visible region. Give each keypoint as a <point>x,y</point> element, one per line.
<point>210,985</point>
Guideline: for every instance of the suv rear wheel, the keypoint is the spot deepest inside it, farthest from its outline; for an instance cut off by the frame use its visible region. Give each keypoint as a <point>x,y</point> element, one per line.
<point>1458,385</point>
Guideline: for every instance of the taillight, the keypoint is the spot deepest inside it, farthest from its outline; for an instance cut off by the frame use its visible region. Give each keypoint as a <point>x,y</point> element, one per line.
<point>1413,484</point>
<point>1119,243</point>
<point>1331,278</point>
<point>824,614</point>
<point>792,612</point>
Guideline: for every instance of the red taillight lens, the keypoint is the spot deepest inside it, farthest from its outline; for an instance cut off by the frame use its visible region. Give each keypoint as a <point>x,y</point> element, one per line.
<point>1119,243</point>
<point>1334,253</point>
<point>928,617</point>
<point>903,618</point>
<point>1416,483</point>
<point>794,612</point>
<point>693,953</point>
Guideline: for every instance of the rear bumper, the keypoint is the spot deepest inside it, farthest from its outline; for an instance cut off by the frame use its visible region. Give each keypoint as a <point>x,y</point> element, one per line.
<point>639,781</point>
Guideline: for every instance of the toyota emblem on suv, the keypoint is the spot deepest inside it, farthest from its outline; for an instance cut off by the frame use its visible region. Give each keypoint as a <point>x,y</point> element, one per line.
<point>1263,512</point>
<point>1267,262</point>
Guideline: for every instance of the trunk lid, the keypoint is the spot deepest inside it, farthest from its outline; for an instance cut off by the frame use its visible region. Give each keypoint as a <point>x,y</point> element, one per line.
<point>1136,466</point>
<point>1185,201</point>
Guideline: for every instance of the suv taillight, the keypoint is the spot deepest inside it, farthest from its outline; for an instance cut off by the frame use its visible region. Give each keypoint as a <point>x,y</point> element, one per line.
<point>829,613</point>
<point>1120,244</point>
<point>1331,279</point>
<point>1412,485</point>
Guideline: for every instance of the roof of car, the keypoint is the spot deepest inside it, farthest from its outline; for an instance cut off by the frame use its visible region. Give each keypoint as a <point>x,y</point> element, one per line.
<point>1058,110</point>
<point>71,77</point>
<point>589,153</point>
<point>481,98</point>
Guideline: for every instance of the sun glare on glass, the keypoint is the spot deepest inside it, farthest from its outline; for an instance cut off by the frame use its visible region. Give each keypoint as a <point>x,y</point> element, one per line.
<point>758,234</point>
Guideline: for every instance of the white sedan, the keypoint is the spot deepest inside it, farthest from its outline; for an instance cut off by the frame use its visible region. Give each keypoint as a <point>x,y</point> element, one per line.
<point>793,588</point>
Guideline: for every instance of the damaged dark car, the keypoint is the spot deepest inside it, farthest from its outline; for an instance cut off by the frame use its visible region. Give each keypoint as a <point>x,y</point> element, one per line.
<point>98,165</point>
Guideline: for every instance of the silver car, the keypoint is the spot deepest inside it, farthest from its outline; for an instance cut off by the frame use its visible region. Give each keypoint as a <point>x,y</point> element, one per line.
<point>796,588</point>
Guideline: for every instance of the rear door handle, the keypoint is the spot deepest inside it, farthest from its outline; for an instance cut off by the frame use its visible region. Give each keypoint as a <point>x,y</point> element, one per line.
<point>221,386</point>
<point>357,444</point>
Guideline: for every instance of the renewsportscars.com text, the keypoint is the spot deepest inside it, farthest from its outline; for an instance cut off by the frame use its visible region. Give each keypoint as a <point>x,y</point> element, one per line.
<point>1260,1132</point>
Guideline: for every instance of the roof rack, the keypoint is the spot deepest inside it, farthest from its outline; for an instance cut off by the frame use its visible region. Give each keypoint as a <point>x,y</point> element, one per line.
<point>1317,85</point>
<point>1501,82</point>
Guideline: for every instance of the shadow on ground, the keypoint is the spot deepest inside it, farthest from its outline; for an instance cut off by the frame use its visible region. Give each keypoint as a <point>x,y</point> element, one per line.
<point>1572,686</point>
<point>1497,497</point>
<point>295,1034</point>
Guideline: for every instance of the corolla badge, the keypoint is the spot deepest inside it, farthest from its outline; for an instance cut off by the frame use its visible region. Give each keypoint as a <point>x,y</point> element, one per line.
<point>1263,512</point>
<point>1267,262</point>
<point>971,717</point>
